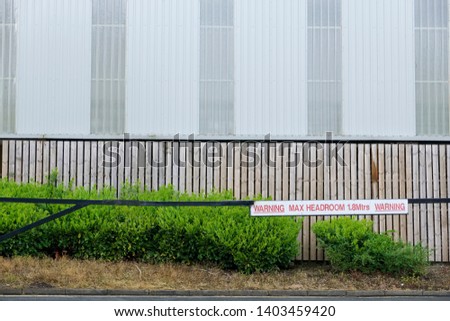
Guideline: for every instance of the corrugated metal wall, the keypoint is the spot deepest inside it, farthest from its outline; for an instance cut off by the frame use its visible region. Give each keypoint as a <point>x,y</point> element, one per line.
<point>8,52</point>
<point>283,77</point>
<point>54,67</point>
<point>271,67</point>
<point>378,57</point>
<point>163,67</point>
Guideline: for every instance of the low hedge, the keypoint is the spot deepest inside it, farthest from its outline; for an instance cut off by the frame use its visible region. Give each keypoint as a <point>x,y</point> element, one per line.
<point>352,245</point>
<point>226,236</point>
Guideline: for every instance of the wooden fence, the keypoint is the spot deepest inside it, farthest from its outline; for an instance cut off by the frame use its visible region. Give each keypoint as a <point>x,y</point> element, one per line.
<point>281,170</point>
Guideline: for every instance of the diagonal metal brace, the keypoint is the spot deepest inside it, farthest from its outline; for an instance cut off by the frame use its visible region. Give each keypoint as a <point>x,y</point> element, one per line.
<point>47,219</point>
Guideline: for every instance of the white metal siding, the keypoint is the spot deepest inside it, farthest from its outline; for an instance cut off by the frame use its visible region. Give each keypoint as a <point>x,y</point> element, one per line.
<point>324,67</point>
<point>54,67</point>
<point>8,52</point>
<point>216,101</point>
<point>108,66</point>
<point>378,77</point>
<point>163,67</point>
<point>270,38</point>
<point>432,101</point>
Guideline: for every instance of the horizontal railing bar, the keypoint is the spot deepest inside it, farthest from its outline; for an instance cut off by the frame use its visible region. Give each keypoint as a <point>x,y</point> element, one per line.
<point>123,202</point>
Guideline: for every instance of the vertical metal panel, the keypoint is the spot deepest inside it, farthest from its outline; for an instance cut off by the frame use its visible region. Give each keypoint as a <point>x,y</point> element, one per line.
<point>53,74</point>
<point>378,57</point>
<point>324,66</point>
<point>108,66</point>
<point>8,51</point>
<point>270,38</point>
<point>432,92</point>
<point>216,100</point>
<point>163,66</point>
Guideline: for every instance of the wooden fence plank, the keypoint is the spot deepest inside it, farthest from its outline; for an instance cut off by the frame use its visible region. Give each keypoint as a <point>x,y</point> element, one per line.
<point>285,171</point>
<point>209,161</point>
<point>402,191</point>
<point>100,165</point>
<point>417,209</point>
<point>196,160</point>
<point>448,195</point>
<point>320,191</point>
<point>26,162</point>
<point>230,166</point>
<point>306,196</point>
<point>133,164</point>
<point>112,172</point>
<point>87,165</point>
<point>217,164</point>
<point>121,166</point>
<point>313,196</point>
<point>5,150</point>
<point>360,171</point>
<point>436,207</point>
<point>409,192</point>
<point>18,160</point>
<point>299,172</point>
<point>149,164</point>
<point>423,194</point>
<point>444,207</point>
<point>167,174</point>
<point>341,171</point>
<point>39,161</point>
<point>189,167</point>
<point>347,171</point>
<point>395,188</point>
<point>60,160</point>
<point>278,171</point>
<point>53,156</point>
<point>388,182</point>
<point>258,168</point>
<point>333,172</point>
<point>244,171</point>
<point>271,166</point>
<point>237,170</point>
<point>224,166</point>
<point>429,217</point>
<point>381,184</point>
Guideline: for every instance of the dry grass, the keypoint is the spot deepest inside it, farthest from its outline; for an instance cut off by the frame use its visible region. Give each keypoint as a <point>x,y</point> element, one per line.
<point>66,273</point>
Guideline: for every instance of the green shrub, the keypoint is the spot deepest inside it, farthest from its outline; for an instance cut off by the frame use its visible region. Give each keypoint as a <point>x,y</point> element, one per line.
<point>352,245</point>
<point>226,236</point>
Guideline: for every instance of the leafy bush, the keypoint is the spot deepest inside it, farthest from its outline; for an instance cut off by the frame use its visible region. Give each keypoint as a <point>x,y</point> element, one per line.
<point>352,245</point>
<point>226,236</point>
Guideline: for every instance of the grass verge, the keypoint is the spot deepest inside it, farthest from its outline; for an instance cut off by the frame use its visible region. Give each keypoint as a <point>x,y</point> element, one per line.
<point>21,272</point>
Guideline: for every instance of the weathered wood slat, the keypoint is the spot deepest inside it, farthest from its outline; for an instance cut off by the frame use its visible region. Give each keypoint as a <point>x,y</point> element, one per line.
<point>429,215</point>
<point>402,191</point>
<point>18,160</point>
<point>381,185</point>
<point>26,160</point>
<point>409,193</point>
<point>5,159</point>
<point>436,207</point>
<point>244,171</point>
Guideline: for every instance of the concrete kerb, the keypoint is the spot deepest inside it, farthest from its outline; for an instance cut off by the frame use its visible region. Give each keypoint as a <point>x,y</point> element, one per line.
<point>223,293</point>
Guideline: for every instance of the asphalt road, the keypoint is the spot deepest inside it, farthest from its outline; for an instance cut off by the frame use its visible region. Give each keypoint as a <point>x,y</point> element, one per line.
<point>218,298</point>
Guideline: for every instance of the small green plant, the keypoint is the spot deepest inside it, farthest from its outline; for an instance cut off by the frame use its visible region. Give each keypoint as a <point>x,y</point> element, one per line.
<point>352,245</point>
